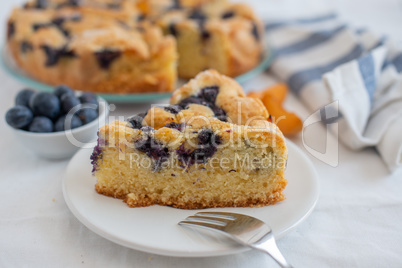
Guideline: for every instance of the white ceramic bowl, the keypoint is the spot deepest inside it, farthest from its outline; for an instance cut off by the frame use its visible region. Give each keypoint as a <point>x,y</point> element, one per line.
<point>63,144</point>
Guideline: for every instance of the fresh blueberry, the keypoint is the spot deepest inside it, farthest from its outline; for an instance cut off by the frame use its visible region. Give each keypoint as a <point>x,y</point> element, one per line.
<point>41,124</point>
<point>68,102</point>
<point>61,90</point>
<point>45,104</point>
<point>23,97</point>
<point>87,115</point>
<point>19,116</point>
<point>89,98</point>
<point>61,122</point>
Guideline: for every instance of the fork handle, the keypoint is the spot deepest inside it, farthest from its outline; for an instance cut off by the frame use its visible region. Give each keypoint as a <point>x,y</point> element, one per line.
<point>269,246</point>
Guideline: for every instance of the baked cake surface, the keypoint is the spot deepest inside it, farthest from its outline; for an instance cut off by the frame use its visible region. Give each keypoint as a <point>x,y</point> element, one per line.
<point>190,158</point>
<point>129,46</point>
<point>223,95</point>
<point>227,38</point>
<point>95,48</point>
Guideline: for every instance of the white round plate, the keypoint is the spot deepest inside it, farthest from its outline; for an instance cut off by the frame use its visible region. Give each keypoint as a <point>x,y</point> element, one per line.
<point>154,229</point>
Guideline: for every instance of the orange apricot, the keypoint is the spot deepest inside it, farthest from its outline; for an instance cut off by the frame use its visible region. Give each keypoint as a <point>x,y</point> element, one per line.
<point>272,98</point>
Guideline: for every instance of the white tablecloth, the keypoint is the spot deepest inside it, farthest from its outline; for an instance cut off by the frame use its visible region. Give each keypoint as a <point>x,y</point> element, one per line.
<point>357,221</point>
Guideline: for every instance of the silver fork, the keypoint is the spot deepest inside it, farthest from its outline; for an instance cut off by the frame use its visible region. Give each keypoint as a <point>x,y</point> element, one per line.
<point>243,229</point>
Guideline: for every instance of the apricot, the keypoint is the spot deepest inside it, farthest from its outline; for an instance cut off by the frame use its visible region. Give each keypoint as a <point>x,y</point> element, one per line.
<point>272,98</point>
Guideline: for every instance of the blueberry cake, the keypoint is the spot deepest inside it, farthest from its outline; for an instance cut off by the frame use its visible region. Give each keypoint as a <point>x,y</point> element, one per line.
<point>187,156</point>
<point>93,46</point>
<point>129,46</point>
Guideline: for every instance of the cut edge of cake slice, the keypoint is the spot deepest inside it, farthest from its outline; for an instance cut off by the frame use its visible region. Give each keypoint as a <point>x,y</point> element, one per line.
<point>199,164</point>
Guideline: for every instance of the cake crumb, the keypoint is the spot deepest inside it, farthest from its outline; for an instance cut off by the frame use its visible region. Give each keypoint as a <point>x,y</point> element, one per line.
<point>54,199</point>
<point>149,258</point>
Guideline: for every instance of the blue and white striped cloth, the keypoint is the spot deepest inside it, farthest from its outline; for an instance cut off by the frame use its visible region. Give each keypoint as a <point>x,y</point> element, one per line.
<point>325,62</point>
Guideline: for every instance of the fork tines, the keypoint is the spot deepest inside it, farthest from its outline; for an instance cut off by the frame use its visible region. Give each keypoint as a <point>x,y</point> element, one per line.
<point>215,220</point>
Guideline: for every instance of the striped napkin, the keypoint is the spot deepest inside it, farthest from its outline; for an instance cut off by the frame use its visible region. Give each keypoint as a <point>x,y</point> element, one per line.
<point>352,76</point>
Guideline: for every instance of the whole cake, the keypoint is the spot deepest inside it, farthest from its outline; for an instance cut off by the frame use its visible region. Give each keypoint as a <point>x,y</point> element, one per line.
<point>132,46</point>
<point>186,156</point>
<point>94,48</point>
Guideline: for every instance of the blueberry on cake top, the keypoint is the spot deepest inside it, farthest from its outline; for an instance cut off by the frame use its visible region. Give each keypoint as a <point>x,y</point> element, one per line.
<point>189,158</point>
<point>128,46</point>
<point>223,95</point>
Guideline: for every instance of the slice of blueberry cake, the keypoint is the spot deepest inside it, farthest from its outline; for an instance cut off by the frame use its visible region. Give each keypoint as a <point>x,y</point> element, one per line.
<point>188,157</point>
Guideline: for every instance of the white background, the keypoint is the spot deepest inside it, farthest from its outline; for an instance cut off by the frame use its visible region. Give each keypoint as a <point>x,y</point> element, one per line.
<point>357,221</point>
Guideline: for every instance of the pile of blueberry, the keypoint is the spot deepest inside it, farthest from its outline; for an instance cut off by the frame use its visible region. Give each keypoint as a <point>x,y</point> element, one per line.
<point>47,112</point>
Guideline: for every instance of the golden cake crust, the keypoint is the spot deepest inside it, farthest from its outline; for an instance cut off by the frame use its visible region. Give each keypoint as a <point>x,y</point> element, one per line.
<point>132,201</point>
<point>240,109</point>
